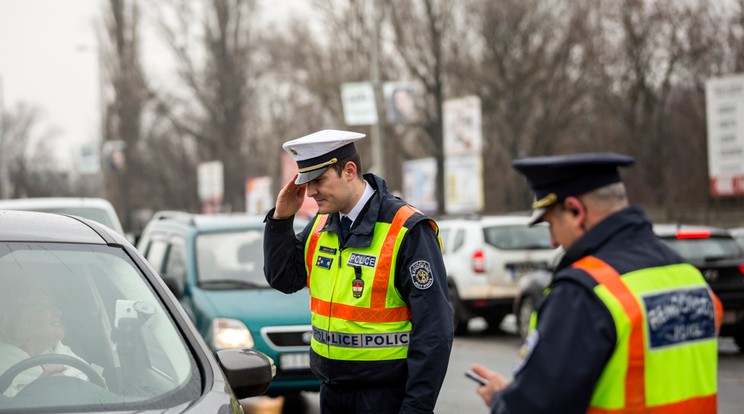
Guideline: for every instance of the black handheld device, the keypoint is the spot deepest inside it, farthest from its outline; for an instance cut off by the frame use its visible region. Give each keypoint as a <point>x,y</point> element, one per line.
<point>475,377</point>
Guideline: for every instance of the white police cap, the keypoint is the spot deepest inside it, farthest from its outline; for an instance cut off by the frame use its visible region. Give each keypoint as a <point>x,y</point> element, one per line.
<point>315,153</point>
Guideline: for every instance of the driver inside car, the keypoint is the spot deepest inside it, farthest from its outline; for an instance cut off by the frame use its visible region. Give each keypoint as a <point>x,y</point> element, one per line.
<point>31,325</point>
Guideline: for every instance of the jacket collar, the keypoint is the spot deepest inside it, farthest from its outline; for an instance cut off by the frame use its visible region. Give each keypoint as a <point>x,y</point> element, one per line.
<point>624,222</point>
<point>361,234</point>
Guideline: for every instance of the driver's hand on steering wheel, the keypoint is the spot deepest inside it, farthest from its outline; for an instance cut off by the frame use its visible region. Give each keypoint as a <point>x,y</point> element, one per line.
<point>52,369</point>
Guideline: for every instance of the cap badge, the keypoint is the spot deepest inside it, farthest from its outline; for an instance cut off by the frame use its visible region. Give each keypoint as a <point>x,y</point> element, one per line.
<point>545,201</point>
<point>293,150</point>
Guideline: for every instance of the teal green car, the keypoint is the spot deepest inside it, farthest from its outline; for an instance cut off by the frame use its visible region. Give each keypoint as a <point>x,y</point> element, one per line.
<point>214,266</point>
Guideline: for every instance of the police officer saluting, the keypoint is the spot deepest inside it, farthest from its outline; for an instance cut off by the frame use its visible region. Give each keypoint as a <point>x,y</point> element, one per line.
<point>626,325</point>
<point>381,316</point>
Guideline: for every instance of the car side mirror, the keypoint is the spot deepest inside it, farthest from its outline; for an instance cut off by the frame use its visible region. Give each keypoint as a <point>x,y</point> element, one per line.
<point>248,372</point>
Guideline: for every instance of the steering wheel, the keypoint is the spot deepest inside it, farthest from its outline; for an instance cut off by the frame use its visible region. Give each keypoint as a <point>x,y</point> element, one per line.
<point>9,375</point>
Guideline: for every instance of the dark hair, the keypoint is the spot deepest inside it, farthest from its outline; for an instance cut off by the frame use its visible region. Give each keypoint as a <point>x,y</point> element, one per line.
<point>355,158</point>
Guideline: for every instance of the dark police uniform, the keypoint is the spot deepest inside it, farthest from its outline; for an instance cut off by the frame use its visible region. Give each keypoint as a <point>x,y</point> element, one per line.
<point>575,336</point>
<point>410,385</point>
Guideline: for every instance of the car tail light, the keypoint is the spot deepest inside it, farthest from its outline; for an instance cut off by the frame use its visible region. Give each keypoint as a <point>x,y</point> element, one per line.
<point>479,262</point>
<point>741,269</point>
<point>690,234</point>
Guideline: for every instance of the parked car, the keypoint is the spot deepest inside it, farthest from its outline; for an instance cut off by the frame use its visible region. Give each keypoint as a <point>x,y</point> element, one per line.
<point>79,301</point>
<point>96,209</point>
<point>712,250</point>
<point>721,260</point>
<point>738,234</point>
<point>214,266</point>
<point>485,258</point>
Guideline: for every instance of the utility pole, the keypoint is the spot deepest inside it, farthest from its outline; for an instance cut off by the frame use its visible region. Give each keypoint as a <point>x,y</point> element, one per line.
<point>378,132</point>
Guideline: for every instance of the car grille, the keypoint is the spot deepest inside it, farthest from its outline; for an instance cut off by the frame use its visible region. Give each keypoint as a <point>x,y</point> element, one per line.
<point>287,338</point>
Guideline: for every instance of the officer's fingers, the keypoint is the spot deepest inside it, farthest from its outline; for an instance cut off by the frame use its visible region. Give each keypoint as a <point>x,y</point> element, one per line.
<point>482,371</point>
<point>301,190</point>
<point>290,185</point>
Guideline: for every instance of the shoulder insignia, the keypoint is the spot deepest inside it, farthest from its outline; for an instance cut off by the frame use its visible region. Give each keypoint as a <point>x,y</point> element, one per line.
<point>421,274</point>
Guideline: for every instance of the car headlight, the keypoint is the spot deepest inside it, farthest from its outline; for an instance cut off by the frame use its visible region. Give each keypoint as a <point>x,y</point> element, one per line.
<point>230,333</point>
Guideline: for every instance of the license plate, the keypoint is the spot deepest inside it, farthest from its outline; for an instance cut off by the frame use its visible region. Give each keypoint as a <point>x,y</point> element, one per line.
<point>517,270</point>
<point>729,317</point>
<point>289,362</point>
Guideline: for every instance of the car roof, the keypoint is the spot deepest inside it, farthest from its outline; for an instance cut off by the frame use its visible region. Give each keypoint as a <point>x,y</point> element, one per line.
<point>42,202</point>
<point>666,230</point>
<point>31,226</point>
<point>503,220</point>
<point>60,203</point>
<point>209,222</point>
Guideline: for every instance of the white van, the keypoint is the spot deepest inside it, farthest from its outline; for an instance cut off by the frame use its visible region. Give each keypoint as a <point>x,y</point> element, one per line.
<point>485,258</point>
<point>96,209</point>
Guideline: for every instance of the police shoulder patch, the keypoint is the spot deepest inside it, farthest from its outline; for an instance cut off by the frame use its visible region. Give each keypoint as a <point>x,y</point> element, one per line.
<point>526,350</point>
<point>421,274</point>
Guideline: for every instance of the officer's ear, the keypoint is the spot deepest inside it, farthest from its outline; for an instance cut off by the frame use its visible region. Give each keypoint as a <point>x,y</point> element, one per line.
<point>574,206</point>
<point>350,170</point>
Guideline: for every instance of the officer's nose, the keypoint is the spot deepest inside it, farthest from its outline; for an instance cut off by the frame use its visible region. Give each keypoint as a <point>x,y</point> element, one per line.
<point>312,189</point>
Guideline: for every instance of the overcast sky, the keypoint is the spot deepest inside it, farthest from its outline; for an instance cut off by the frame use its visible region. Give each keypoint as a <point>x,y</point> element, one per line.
<point>48,58</point>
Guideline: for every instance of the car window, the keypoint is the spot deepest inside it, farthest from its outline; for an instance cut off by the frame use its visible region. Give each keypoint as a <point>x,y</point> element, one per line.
<point>443,235</point>
<point>518,237</point>
<point>90,303</point>
<point>713,248</point>
<point>155,253</point>
<point>231,257</point>
<point>175,265</point>
<point>459,240</point>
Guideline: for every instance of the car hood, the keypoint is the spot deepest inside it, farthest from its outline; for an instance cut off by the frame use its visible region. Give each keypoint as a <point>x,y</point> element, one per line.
<point>260,307</point>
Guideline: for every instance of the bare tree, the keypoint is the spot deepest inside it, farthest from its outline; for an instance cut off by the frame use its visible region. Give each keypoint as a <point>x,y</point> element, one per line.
<point>419,31</point>
<point>532,78</point>
<point>220,76</point>
<point>28,151</point>
<point>125,101</point>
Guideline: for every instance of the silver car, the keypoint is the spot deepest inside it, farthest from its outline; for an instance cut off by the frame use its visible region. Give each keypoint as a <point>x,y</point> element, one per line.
<point>87,326</point>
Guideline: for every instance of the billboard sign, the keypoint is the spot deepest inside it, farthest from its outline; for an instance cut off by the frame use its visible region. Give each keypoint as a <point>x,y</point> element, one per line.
<point>359,105</point>
<point>724,101</point>
<point>462,126</point>
<point>419,183</point>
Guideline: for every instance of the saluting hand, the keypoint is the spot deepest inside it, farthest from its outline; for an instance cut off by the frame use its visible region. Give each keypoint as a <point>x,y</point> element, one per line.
<point>290,199</point>
<point>496,383</point>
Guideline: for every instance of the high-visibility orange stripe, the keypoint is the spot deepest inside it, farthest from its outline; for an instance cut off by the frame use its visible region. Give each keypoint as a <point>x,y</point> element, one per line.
<point>719,310</point>
<point>698,405</point>
<point>312,244</point>
<point>635,383</point>
<point>382,274</point>
<point>357,313</point>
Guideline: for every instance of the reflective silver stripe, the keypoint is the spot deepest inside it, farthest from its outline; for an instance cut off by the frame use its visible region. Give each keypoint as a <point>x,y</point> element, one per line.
<point>381,340</point>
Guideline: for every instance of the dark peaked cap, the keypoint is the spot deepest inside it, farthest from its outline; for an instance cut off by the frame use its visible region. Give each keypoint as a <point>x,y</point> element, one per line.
<point>554,178</point>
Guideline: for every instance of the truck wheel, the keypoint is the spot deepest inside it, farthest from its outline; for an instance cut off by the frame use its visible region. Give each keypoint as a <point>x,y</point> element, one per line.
<point>739,339</point>
<point>460,322</point>
<point>524,314</point>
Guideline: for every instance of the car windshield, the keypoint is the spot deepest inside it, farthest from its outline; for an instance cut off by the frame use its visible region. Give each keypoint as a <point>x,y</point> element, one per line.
<point>518,237</point>
<point>231,259</point>
<point>705,249</point>
<point>63,304</point>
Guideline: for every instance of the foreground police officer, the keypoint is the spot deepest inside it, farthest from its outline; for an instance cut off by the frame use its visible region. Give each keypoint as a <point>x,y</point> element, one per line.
<point>626,326</point>
<point>381,316</point>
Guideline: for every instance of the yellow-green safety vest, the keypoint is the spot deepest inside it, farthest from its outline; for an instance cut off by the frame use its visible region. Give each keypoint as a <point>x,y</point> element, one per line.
<point>665,359</point>
<point>357,313</point>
